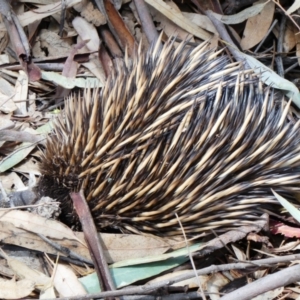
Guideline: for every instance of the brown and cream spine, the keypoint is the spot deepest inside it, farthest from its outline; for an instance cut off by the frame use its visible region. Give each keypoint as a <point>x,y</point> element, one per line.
<point>176,130</point>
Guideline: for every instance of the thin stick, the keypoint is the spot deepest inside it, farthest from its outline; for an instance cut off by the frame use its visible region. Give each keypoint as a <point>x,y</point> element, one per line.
<point>93,241</point>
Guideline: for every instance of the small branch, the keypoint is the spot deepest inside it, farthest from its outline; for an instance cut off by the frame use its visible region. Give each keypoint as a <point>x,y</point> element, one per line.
<point>265,284</point>
<point>93,241</point>
<point>144,289</point>
<point>137,290</point>
<point>226,38</point>
<point>146,21</point>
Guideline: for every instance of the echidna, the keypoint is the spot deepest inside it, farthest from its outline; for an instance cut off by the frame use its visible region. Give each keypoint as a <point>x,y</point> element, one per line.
<point>176,130</point>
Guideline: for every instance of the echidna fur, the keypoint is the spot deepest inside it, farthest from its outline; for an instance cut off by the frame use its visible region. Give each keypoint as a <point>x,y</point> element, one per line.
<point>175,130</point>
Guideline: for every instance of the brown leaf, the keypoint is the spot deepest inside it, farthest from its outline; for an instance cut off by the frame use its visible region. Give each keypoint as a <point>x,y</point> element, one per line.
<point>126,39</point>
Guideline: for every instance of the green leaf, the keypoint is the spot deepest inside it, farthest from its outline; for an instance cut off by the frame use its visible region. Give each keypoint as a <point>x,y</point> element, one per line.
<point>156,258</point>
<point>128,275</point>
<point>131,270</point>
<point>288,206</point>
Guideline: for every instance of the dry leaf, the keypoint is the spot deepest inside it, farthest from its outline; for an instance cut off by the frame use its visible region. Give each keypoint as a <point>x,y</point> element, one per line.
<point>37,224</point>
<point>215,283</point>
<point>11,180</point>
<point>90,13</point>
<point>126,246</point>
<point>67,283</point>
<point>240,255</point>
<point>289,39</point>
<point>41,12</point>
<point>11,289</point>
<point>54,44</point>
<point>167,25</point>
<point>9,234</point>
<point>28,165</point>
<point>201,21</point>
<point>40,280</point>
<point>286,230</point>
<point>179,19</point>
<point>117,246</point>
<point>257,26</point>
<point>21,93</point>
<point>88,32</point>
<point>294,7</point>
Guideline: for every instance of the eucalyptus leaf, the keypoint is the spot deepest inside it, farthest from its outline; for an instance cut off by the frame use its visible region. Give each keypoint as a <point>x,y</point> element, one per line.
<point>23,150</point>
<point>157,258</point>
<point>128,275</point>
<point>242,15</point>
<point>70,83</point>
<point>269,77</point>
<point>288,206</point>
